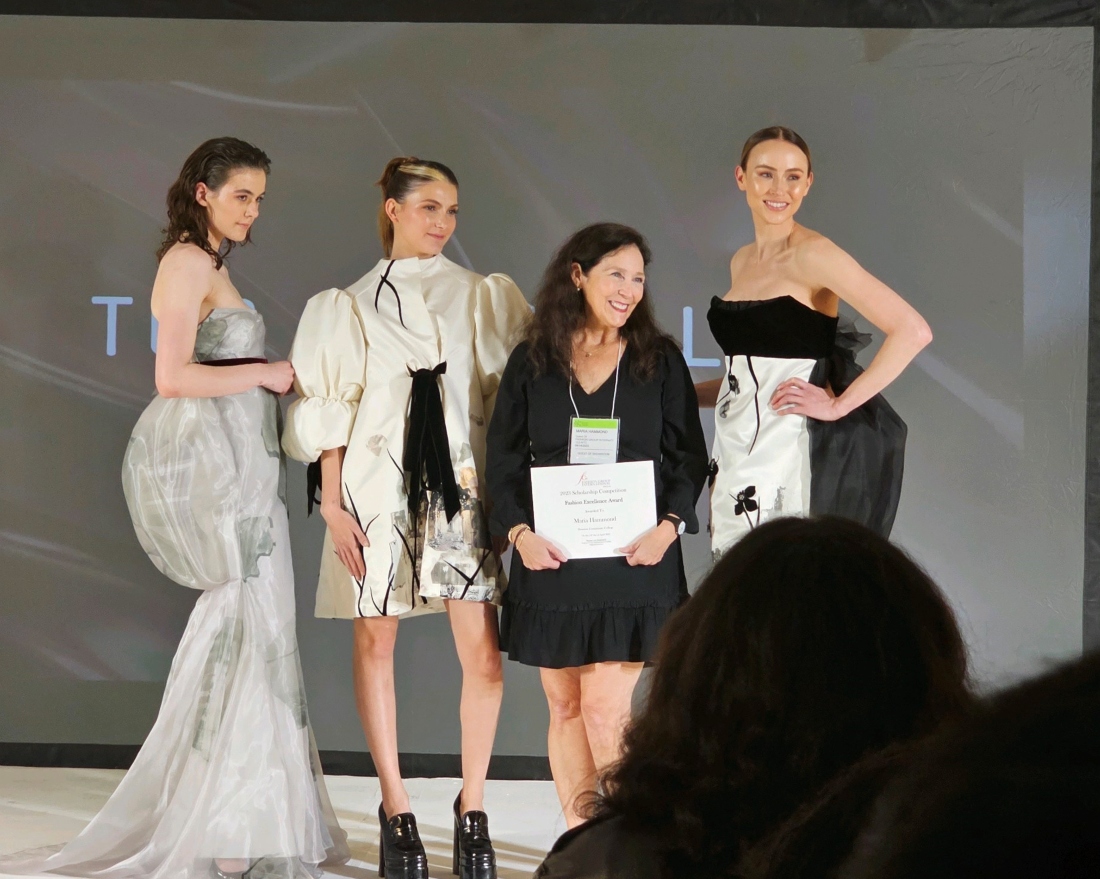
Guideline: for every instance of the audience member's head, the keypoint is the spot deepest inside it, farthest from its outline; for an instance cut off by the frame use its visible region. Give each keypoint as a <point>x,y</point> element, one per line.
<point>1012,794</point>
<point>811,643</point>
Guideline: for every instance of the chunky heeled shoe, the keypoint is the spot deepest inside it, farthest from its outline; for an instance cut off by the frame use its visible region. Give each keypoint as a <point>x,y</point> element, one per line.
<point>400,852</point>
<point>474,857</point>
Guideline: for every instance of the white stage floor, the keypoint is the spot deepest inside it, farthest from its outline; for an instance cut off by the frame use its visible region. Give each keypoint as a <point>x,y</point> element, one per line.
<point>41,807</point>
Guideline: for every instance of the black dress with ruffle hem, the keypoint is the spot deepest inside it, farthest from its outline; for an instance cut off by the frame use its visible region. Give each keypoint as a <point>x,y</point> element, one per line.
<point>593,610</point>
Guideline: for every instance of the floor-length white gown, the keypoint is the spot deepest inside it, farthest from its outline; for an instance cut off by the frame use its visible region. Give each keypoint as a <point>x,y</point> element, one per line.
<point>230,769</point>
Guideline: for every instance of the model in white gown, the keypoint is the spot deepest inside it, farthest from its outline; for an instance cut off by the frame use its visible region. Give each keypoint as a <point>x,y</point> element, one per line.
<point>229,770</point>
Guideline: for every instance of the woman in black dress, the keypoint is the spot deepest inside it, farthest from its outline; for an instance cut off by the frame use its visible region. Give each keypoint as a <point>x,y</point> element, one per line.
<point>593,349</point>
<point>800,428</point>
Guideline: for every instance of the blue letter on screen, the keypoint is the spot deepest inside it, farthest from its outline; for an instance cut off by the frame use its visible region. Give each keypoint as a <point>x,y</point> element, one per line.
<point>689,343</point>
<point>112,303</point>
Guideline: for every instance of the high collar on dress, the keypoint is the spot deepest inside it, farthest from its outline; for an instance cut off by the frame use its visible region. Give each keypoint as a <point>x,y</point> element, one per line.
<point>411,266</point>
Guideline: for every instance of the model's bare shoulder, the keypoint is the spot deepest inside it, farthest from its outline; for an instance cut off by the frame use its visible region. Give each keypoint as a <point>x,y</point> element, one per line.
<point>814,252</point>
<point>808,241</point>
<point>187,265</point>
<point>188,258</point>
<point>739,257</point>
<point>186,275</point>
<point>738,261</point>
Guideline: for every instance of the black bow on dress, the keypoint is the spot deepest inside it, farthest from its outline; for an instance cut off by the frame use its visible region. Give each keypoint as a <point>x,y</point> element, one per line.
<point>427,458</point>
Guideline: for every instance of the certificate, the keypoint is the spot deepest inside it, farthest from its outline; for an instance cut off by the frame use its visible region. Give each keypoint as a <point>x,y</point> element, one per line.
<point>590,511</point>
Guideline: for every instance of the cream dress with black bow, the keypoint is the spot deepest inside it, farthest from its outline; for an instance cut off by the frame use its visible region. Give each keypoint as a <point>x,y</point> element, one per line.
<point>417,343</point>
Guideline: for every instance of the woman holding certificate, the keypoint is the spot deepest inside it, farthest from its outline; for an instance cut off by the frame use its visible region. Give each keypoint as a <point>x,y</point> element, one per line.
<point>595,459</point>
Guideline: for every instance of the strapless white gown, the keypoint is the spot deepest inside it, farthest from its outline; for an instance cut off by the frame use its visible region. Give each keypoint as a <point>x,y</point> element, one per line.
<point>229,769</point>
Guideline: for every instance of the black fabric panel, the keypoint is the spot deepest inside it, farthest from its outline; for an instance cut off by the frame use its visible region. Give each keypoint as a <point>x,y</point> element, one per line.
<point>71,756</point>
<point>1091,598</point>
<point>798,13</point>
<point>781,327</point>
<point>857,462</point>
<point>501,767</point>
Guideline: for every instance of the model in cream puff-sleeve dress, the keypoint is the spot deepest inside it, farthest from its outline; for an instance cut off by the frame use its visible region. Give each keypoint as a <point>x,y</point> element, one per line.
<point>402,368</point>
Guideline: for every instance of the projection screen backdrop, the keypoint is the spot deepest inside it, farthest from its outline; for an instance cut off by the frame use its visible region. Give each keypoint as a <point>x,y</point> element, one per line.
<point>953,164</point>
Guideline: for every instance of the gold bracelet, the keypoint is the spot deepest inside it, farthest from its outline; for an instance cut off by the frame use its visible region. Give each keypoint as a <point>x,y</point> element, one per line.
<point>526,530</point>
<point>516,531</point>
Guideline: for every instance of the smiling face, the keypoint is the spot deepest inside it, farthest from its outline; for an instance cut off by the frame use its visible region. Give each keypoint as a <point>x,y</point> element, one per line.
<point>234,206</point>
<point>613,287</point>
<point>425,220</point>
<point>775,179</point>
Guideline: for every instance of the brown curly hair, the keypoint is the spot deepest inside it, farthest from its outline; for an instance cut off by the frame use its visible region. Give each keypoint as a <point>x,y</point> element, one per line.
<point>212,163</point>
<point>811,643</point>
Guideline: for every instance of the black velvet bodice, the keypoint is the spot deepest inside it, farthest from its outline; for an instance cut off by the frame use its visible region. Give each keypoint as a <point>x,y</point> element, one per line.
<point>780,327</point>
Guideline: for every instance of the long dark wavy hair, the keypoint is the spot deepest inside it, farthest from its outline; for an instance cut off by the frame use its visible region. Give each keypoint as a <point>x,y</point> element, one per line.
<point>811,643</point>
<point>560,307</point>
<point>212,163</point>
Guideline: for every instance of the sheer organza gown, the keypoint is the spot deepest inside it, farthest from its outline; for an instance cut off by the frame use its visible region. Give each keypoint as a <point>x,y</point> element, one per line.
<point>229,769</point>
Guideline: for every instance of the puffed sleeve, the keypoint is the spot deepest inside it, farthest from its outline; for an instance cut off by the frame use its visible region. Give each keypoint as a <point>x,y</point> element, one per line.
<point>500,316</point>
<point>329,356</point>
<point>684,459</point>
<point>508,449</point>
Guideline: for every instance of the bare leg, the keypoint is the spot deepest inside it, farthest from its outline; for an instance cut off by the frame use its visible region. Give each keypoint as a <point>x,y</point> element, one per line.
<point>377,703</point>
<point>606,688</point>
<point>570,756</point>
<point>474,625</point>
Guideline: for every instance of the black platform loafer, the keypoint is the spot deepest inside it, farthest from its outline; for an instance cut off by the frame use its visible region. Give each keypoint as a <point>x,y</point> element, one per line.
<point>400,852</point>
<point>474,857</point>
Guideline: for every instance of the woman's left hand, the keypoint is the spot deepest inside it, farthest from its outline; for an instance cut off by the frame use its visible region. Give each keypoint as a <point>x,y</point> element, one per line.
<point>798,397</point>
<point>651,547</point>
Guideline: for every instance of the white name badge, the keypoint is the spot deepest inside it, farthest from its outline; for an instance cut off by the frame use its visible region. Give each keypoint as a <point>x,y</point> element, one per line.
<point>592,511</point>
<point>593,440</point>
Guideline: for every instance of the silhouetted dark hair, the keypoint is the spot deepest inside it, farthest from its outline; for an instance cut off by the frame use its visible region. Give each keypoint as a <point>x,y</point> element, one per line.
<point>818,838</point>
<point>811,643</point>
<point>402,175</point>
<point>775,132</point>
<point>1012,794</point>
<point>212,163</point>
<point>560,307</point>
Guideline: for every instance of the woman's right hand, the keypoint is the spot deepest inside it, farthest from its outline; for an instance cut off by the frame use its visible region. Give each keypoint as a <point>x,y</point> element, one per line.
<point>348,539</point>
<point>537,553</point>
<point>277,377</point>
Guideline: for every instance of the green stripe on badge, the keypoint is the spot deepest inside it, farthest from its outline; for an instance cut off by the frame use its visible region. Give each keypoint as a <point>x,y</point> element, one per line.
<point>603,423</point>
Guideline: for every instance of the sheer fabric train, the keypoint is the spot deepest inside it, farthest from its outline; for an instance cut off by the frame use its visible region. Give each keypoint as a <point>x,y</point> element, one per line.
<point>229,769</point>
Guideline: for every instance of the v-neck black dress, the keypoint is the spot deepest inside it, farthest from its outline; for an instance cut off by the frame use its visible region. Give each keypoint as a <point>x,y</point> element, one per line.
<point>593,610</point>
